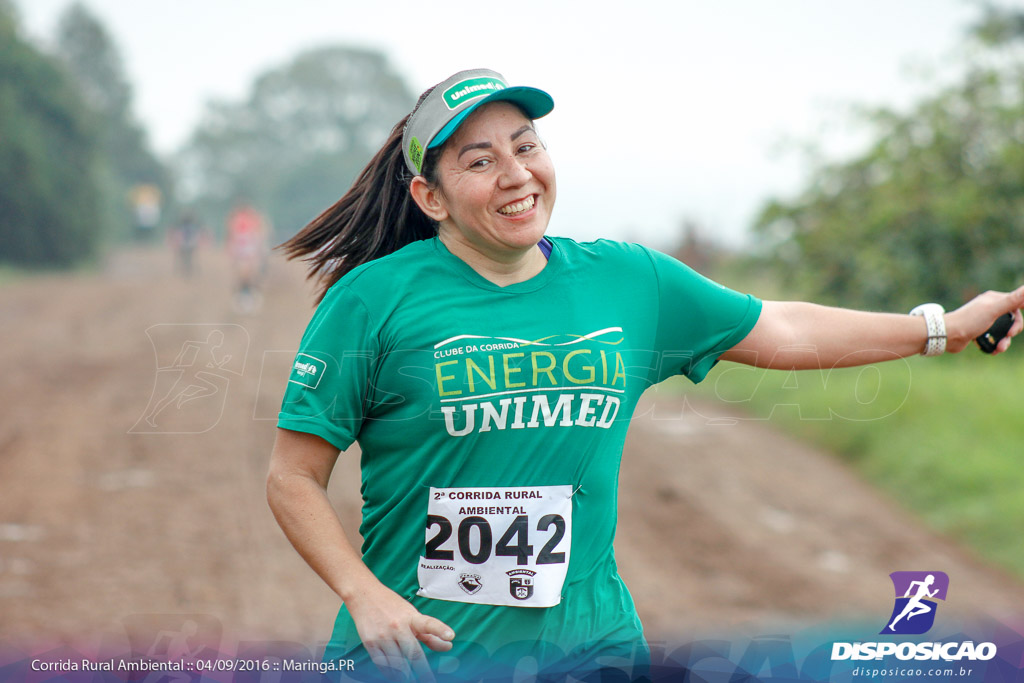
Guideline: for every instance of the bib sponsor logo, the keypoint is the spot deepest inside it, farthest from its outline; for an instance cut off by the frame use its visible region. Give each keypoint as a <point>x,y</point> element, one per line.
<point>520,583</point>
<point>307,370</point>
<point>471,583</point>
<point>470,89</point>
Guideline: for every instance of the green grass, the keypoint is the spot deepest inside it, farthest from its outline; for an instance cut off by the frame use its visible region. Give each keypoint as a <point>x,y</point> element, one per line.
<point>943,436</point>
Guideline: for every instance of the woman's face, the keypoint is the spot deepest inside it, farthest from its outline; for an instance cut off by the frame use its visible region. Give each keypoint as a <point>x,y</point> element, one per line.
<point>497,184</point>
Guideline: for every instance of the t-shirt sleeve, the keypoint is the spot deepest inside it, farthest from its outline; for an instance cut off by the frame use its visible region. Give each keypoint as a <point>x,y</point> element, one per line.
<point>327,388</point>
<point>698,319</point>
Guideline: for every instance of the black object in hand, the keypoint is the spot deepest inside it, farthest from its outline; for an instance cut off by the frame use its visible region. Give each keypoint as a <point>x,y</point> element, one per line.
<point>995,334</point>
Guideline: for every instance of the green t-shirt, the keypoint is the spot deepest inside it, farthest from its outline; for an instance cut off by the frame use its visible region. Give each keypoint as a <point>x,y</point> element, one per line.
<point>491,422</point>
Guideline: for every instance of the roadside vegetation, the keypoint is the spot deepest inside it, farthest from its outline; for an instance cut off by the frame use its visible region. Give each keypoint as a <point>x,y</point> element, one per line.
<point>932,209</point>
<point>941,436</point>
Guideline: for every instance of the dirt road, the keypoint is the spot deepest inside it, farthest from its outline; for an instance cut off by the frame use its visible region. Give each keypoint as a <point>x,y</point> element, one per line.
<point>138,417</point>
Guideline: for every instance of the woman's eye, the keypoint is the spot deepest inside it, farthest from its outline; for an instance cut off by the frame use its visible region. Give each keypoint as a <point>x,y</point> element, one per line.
<point>526,147</point>
<point>480,163</point>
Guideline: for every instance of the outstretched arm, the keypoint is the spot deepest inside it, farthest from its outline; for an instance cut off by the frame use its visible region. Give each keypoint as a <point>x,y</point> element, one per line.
<point>804,336</point>
<point>390,628</point>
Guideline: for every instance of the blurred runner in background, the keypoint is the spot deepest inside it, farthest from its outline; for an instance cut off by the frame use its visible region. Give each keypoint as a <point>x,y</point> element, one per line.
<point>184,239</point>
<point>247,247</point>
<point>145,200</point>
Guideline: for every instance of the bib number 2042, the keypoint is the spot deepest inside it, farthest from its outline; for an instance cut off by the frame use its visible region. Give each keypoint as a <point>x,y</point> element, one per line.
<point>475,539</point>
<point>497,545</point>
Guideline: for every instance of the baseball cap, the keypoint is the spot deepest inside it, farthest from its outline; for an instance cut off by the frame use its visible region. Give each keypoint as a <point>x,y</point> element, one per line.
<point>451,101</point>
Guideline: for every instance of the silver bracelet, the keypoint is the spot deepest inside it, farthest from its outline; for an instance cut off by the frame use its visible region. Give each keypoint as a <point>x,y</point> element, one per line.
<point>933,315</point>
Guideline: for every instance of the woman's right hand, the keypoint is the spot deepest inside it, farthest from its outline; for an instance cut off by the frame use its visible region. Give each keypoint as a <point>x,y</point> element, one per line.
<point>390,628</point>
<point>394,632</point>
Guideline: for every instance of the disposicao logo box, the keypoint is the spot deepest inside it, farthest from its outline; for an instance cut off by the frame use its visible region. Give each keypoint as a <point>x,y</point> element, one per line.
<point>916,593</point>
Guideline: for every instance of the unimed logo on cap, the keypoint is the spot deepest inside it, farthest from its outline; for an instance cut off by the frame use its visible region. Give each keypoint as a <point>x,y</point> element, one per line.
<point>469,89</point>
<point>915,606</point>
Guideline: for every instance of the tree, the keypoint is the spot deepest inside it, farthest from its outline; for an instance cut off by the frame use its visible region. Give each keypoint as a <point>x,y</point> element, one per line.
<point>92,58</point>
<point>297,142</point>
<point>90,55</point>
<point>934,208</point>
<point>49,196</point>
<point>999,26</point>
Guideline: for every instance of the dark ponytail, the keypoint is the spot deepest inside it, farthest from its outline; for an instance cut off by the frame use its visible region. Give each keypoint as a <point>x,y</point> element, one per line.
<point>375,217</point>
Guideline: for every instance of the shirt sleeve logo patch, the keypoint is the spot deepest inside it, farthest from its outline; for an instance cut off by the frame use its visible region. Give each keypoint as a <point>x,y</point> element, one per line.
<point>307,370</point>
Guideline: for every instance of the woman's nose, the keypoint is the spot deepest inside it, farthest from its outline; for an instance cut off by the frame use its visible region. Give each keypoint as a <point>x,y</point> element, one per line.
<point>514,172</point>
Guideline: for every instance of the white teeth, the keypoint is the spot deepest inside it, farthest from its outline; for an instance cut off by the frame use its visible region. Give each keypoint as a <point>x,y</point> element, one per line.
<point>517,207</point>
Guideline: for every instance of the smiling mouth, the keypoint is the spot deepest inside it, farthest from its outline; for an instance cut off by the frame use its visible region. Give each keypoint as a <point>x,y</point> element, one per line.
<point>517,207</point>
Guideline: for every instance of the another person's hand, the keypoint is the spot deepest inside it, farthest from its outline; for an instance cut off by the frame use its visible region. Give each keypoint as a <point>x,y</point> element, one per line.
<point>393,632</point>
<point>974,318</point>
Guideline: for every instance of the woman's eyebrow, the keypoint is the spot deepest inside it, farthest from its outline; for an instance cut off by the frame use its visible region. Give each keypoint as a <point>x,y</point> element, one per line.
<point>474,145</point>
<point>487,145</point>
<point>521,131</point>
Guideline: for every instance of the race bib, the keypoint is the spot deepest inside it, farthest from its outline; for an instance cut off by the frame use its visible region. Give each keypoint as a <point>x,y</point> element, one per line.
<point>497,546</point>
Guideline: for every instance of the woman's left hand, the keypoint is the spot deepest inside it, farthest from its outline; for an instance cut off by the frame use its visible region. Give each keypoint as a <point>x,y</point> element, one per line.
<point>974,318</point>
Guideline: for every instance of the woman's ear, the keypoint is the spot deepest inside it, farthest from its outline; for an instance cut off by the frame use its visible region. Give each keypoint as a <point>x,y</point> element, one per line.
<point>428,198</point>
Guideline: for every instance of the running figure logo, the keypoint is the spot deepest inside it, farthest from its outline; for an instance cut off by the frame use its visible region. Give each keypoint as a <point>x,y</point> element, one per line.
<point>916,595</point>
<point>194,366</point>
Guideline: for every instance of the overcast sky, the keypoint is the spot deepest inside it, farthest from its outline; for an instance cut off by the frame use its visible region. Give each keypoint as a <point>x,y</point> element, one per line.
<point>663,110</point>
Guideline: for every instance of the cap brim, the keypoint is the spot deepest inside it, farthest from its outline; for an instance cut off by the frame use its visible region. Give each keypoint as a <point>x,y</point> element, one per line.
<point>534,102</point>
